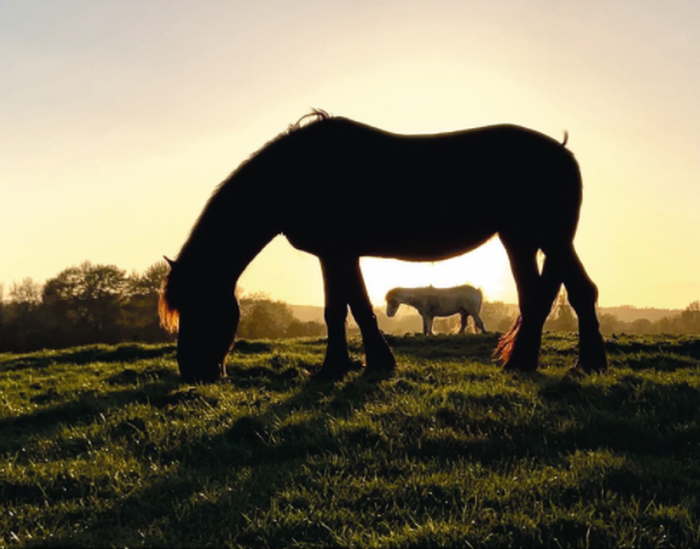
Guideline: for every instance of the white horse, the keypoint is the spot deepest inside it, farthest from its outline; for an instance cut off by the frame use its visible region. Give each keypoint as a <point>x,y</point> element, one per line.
<point>431,302</point>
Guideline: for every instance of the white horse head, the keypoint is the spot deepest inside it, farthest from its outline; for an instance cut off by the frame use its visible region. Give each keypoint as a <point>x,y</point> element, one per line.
<point>392,302</point>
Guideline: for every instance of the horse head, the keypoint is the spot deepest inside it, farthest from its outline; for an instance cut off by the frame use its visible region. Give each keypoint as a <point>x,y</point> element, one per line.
<point>205,313</point>
<point>392,303</point>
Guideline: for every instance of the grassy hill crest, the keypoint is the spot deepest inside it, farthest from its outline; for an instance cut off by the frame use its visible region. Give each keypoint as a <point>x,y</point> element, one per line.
<point>103,446</point>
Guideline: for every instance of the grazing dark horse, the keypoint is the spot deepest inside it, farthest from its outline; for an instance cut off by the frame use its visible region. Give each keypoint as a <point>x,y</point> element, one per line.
<point>321,184</point>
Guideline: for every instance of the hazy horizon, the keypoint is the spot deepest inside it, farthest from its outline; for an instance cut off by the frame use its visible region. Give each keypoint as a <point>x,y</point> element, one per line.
<point>118,120</point>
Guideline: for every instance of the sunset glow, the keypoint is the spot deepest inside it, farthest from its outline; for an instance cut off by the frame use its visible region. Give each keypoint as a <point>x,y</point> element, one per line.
<point>486,268</point>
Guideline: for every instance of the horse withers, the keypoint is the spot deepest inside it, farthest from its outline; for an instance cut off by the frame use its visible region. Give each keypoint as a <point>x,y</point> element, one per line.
<point>433,302</point>
<point>317,182</point>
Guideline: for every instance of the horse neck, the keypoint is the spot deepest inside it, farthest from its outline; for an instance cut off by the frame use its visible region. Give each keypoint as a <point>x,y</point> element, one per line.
<point>405,297</point>
<point>416,299</point>
<point>225,252</point>
<point>237,223</point>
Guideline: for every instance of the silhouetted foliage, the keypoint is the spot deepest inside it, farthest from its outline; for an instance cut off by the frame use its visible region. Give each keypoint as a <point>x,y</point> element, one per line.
<point>309,328</point>
<point>138,311</point>
<point>21,314</point>
<point>83,304</point>
<point>685,322</point>
<point>498,316</point>
<point>263,318</point>
<point>102,304</point>
<point>88,298</point>
<point>562,317</point>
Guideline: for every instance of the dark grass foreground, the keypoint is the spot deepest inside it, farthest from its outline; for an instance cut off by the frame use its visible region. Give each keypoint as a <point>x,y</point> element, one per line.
<point>103,446</point>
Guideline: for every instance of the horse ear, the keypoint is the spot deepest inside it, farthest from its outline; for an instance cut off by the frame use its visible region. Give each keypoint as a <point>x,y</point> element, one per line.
<point>170,262</point>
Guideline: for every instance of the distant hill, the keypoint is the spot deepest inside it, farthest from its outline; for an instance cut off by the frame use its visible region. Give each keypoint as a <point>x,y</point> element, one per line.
<point>629,313</point>
<point>307,313</point>
<point>625,313</point>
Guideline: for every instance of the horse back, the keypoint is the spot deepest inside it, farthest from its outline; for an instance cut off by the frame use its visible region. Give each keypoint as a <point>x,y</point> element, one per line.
<point>460,188</point>
<point>474,165</point>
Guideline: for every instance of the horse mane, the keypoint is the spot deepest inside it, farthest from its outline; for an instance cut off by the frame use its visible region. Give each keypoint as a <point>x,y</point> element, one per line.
<point>316,114</point>
<point>171,290</point>
<point>309,119</point>
<point>168,309</point>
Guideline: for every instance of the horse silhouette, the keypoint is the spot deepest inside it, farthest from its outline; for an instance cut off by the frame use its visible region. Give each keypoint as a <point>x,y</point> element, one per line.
<point>320,184</point>
<point>431,302</point>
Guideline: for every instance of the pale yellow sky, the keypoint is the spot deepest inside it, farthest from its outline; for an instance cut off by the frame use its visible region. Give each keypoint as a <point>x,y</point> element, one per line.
<point>117,120</point>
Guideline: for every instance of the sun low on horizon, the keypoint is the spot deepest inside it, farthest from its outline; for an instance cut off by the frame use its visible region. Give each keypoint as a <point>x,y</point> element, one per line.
<point>119,120</point>
<point>486,268</point>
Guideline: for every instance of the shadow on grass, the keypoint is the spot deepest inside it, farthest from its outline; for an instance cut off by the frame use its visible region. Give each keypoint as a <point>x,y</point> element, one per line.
<point>478,347</point>
<point>245,346</point>
<point>251,463</point>
<point>255,443</point>
<point>632,417</point>
<point>17,433</point>
<point>660,362</point>
<point>686,345</point>
<point>644,421</point>
<point>89,354</point>
<point>445,345</point>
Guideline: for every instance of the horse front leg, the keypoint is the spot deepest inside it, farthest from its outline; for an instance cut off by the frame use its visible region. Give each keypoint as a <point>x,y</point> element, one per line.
<point>379,356</point>
<point>479,323</point>
<point>427,324</point>
<point>337,360</point>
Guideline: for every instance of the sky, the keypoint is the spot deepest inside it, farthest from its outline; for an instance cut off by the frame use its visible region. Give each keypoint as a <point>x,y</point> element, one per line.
<point>119,117</point>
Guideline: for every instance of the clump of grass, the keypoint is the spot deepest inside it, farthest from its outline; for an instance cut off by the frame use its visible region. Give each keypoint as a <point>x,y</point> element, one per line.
<point>104,446</point>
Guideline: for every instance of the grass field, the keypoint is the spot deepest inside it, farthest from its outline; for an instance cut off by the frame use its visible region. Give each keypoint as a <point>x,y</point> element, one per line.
<point>103,446</point>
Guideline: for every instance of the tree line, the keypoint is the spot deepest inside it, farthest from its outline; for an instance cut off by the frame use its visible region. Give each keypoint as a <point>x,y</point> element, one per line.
<point>89,303</point>
<point>499,316</point>
<point>685,322</point>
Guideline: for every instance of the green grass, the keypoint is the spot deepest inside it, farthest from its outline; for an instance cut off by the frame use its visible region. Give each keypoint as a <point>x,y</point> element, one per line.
<point>103,446</point>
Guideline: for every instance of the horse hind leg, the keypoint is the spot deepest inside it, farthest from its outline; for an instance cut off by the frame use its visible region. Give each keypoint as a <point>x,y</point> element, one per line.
<point>583,295</point>
<point>519,348</point>
<point>463,318</point>
<point>479,323</point>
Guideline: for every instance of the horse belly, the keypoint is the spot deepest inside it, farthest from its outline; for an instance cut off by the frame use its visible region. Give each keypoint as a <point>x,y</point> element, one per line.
<point>430,243</point>
<point>446,310</point>
<point>370,238</point>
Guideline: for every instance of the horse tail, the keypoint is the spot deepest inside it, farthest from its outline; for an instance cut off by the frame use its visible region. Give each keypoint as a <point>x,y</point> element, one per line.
<point>481,299</point>
<point>505,345</point>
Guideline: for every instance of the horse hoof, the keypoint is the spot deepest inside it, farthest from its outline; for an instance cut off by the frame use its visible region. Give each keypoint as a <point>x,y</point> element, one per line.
<point>519,366</point>
<point>201,380</point>
<point>325,374</point>
<point>376,374</point>
<point>381,367</point>
<point>590,367</point>
<point>330,373</point>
